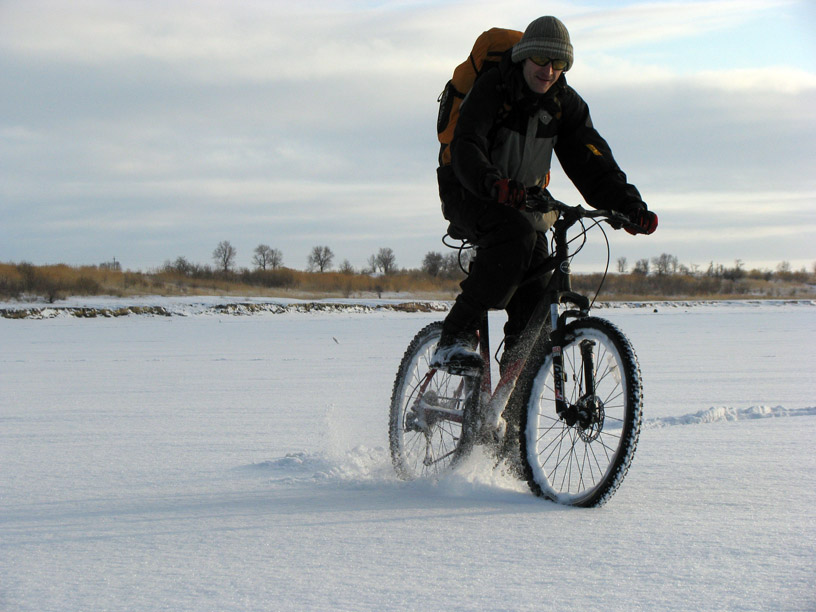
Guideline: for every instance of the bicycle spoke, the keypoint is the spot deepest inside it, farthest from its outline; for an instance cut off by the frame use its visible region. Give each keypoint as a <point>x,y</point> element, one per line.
<point>556,447</point>
<point>428,409</point>
<point>578,463</point>
<point>441,457</point>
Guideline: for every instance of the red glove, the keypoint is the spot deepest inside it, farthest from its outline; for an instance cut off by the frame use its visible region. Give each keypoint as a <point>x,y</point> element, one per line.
<point>646,221</point>
<point>510,193</point>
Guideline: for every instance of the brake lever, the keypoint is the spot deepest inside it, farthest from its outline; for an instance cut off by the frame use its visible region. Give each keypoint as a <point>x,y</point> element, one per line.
<point>621,221</point>
<point>537,202</point>
<point>615,223</point>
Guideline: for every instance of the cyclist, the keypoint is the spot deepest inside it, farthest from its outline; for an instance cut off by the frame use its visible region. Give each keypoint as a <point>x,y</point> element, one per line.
<point>510,123</point>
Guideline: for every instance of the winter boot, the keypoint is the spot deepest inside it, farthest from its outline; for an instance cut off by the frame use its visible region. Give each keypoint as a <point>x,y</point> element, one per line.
<point>456,352</point>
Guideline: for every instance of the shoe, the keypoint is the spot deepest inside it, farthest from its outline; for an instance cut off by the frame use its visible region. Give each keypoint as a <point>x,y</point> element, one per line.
<point>456,354</point>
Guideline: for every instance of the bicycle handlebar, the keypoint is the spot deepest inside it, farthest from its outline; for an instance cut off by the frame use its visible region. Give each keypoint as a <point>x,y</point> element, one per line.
<point>538,202</point>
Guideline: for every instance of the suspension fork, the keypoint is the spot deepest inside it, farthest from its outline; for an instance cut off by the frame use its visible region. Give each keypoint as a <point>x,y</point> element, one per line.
<point>588,365</point>
<point>572,413</point>
<point>563,285</point>
<point>557,360</point>
<point>557,335</point>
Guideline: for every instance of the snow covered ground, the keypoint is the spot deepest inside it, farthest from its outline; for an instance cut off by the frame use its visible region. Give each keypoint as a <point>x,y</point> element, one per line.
<point>221,462</point>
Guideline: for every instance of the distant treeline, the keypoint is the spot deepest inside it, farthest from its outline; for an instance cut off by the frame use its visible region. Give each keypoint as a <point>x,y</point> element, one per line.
<point>56,282</point>
<point>660,278</point>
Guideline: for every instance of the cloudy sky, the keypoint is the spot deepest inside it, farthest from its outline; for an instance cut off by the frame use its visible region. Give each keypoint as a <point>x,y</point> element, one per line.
<point>148,130</point>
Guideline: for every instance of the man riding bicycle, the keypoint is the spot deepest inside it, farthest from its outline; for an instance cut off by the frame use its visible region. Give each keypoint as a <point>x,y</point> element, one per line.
<point>509,124</point>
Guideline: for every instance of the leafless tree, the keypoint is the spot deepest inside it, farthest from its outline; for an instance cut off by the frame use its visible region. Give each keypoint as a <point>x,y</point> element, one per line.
<point>320,258</point>
<point>267,257</point>
<point>385,260</point>
<point>180,265</point>
<point>224,255</point>
<point>622,264</point>
<point>372,265</point>
<point>665,264</point>
<point>642,267</point>
<point>457,263</point>
<point>432,264</point>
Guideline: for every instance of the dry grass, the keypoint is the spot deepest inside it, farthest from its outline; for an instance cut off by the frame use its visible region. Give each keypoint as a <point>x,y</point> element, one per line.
<point>56,282</point>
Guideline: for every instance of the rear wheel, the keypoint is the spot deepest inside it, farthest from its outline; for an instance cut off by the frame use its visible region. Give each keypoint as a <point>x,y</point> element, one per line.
<point>430,412</point>
<point>581,455</point>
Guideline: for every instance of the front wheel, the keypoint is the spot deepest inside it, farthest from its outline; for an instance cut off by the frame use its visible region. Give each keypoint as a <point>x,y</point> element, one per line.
<point>430,412</point>
<point>577,452</point>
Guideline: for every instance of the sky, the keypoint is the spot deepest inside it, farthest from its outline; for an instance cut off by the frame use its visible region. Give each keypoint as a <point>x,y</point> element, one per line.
<point>150,130</point>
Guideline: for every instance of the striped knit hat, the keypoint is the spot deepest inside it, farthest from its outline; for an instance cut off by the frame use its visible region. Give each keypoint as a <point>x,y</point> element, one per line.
<point>545,36</point>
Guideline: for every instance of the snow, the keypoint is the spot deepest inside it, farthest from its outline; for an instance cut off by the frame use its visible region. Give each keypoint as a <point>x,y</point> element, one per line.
<point>208,461</point>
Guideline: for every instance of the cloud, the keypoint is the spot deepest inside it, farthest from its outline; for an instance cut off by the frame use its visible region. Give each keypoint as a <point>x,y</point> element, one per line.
<point>769,81</point>
<point>660,22</point>
<point>178,122</point>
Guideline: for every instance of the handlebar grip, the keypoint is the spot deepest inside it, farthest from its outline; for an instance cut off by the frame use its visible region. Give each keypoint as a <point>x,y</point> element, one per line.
<point>616,223</point>
<point>540,200</point>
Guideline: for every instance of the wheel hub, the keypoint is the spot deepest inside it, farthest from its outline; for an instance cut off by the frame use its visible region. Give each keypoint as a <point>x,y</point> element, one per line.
<point>590,418</point>
<point>425,412</point>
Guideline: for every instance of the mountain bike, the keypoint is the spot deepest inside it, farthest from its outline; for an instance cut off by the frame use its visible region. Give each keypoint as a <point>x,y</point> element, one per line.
<point>565,414</point>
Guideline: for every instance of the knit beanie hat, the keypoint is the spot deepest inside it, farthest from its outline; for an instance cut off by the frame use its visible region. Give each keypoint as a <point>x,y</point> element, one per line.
<point>545,36</point>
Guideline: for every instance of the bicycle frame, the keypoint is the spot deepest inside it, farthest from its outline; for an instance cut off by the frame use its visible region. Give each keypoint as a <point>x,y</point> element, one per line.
<point>536,335</point>
<point>544,332</point>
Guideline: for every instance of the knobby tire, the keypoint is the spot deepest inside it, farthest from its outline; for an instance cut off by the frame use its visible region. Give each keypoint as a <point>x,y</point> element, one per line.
<point>582,464</point>
<point>441,443</point>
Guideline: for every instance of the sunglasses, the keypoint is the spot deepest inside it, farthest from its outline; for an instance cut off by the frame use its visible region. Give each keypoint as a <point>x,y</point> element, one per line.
<point>557,64</point>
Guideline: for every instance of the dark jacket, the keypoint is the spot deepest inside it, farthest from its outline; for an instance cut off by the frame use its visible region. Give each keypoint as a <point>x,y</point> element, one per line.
<point>506,131</point>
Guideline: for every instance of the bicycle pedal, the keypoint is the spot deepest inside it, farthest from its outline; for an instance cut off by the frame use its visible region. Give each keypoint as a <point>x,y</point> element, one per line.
<point>458,370</point>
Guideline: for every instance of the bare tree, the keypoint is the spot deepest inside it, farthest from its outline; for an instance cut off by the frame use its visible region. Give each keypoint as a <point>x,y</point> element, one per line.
<point>372,265</point>
<point>320,258</point>
<point>622,264</point>
<point>267,257</point>
<point>385,260</point>
<point>346,267</point>
<point>275,259</point>
<point>642,267</point>
<point>432,264</point>
<point>665,264</point>
<point>181,265</point>
<point>737,272</point>
<point>715,270</point>
<point>224,255</point>
<point>455,264</point>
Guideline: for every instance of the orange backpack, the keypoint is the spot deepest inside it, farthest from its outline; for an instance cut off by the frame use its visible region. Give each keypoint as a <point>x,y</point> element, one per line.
<point>486,54</point>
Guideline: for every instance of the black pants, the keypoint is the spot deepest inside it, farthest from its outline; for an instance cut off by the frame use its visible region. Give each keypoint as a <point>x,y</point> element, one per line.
<point>508,246</point>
